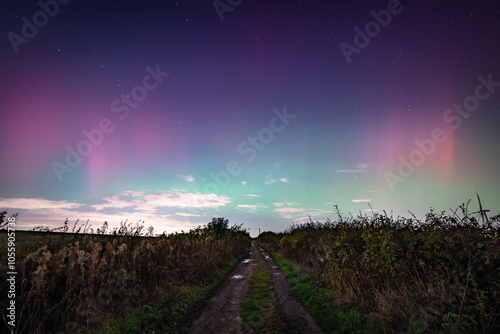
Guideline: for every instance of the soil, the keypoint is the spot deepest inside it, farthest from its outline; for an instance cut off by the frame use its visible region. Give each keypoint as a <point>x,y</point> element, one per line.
<point>222,314</point>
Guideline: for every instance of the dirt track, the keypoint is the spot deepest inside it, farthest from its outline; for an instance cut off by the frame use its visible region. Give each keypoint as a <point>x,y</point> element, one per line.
<point>222,313</point>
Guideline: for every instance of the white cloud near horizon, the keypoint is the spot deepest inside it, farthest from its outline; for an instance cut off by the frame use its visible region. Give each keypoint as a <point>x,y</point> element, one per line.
<point>279,204</point>
<point>300,214</point>
<point>133,193</point>
<point>352,171</point>
<point>252,208</point>
<point>186,214</point>
<point>116,202</point>
<point>361,167</point>
<point>55,217</point>
<point>361,200</point>
<point>271,179</point>
<point>36,203</point>
<point>365,165</point>
<point>175,198</point>
<point>287,210</point>
<point>188,178</point>
<point>39,211</point>
<point>183,200</point>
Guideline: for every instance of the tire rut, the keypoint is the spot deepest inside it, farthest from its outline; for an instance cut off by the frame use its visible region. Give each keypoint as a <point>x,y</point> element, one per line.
<point>297,319</point>
<point>222,314</point>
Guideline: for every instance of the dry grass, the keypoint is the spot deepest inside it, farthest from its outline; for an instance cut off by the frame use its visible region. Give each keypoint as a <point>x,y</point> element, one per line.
<point>91,279</point>
<point>441,275</point>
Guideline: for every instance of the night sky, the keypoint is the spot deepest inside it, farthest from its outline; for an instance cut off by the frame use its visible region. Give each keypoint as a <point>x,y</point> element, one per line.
<point>262,112</point>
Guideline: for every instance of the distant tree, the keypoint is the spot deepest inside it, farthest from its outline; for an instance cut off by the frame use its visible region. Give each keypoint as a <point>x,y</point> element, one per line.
<point>219,227</point>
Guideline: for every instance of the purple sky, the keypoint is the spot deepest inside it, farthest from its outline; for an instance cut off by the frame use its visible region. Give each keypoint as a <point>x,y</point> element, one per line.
<point>161,111</point>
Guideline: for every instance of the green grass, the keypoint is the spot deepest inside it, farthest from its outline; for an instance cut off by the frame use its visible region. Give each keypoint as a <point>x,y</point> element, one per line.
<point>328,315</point>
<point>259,311</point>
<point>164,317</point>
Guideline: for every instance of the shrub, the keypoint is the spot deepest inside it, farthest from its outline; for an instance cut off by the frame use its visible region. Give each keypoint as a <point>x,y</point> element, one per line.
<point>440,275</point>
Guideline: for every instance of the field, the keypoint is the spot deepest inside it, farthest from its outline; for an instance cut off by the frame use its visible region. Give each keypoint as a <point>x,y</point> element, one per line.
<point>92,283</point>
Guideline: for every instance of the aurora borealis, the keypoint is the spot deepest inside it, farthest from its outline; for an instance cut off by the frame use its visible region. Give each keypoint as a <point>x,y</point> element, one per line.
<point>161,111</point>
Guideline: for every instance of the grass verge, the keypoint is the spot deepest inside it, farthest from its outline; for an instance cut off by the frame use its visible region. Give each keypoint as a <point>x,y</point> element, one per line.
<point>328,315</point>
<point>258,310</point>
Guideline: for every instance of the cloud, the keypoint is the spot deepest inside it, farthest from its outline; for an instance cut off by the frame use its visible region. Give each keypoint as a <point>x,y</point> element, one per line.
<point>185,214</point>
<point>36,203</point>
<point>189,178</point>
<point>244,183</point>
<point>252,208</point>
<point>361,167</point>
<point>352,171</point>
<point>289,213</point>
<point>365,165</point>
<point>279,204</point>
<point>301,214</point>
<point>289,210</point>
<point>133,193</point>
<point>176,198</point>
<point>117,208</point>
<point>183,200</point>
<point>269,180</point>
<point>361,200</point>
<point>277,164</point>
<point>252,195</point>
<point>115,201</point>
<point>36,211</point>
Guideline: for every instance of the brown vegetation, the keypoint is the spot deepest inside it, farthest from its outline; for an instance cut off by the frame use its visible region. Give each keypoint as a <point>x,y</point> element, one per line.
<point>76,281</point>
<point>441,275</point>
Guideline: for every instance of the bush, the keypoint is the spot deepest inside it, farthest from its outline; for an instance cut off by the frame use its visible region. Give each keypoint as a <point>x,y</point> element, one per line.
<point>441,275</point>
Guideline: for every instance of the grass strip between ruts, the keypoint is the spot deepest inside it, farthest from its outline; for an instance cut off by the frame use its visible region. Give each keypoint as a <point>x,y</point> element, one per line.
<point>259,310</point>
